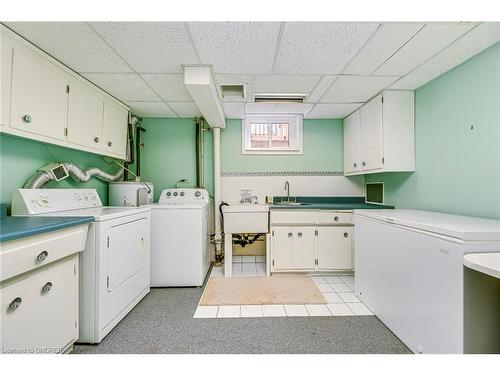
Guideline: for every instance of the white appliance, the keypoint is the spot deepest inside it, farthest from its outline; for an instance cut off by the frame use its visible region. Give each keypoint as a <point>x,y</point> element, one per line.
<point>115,265</point>
<point>180,238</point>
<point>130,193</point>
<point>409,272</point>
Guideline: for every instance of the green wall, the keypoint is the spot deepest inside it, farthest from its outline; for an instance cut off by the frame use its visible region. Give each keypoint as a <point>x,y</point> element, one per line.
<point>323,150</point>
<point>169,153</point>
<point>20,158</point>
<point>457,122</point>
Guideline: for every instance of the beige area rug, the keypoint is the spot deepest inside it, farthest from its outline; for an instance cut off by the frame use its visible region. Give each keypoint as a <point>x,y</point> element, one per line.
<point>261,291</point>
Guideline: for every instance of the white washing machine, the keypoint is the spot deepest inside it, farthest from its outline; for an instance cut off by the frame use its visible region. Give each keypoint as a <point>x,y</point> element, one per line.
<point>115,265</point>
<point>180,238</point>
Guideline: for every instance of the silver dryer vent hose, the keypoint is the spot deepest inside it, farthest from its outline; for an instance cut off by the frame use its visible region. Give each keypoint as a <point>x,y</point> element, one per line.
<point>41,178</point>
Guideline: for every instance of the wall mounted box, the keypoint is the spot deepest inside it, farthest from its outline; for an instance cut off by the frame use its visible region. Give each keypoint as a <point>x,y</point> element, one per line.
<point>43,100</point>
<point>380,136</point>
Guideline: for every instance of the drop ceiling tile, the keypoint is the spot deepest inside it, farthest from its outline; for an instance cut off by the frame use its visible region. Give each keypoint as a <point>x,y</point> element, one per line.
<point>332,110</point>
<point>278,107</point>
<point>320,47</point>
<point>320,89</point>
<point>151,109</point>
<point>388,38</point>
<point>72,43</point>
<point>428,41</point>
<point>185,109</point>
<point>170,87</point>
<point>356,89</point>
<point>478,39</point>
<point>275,83</point>
<point>236,47</point>
<point>126,87</point>
<point>150,47</point>
<point>234,110</point>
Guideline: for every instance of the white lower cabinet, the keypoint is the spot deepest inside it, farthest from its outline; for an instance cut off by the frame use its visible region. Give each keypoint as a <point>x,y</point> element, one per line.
<point>40,312</point>
<point>334,248</point>
<point>319,243</point>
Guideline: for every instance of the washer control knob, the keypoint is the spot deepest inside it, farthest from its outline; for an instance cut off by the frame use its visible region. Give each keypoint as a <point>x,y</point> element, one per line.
<point>197,193</point>
<point>181,194</point>
<point>175,193</point>
<point>169,193</point>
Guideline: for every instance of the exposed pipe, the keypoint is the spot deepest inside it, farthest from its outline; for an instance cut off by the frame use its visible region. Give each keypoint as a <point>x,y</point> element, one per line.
<point>41,178</point>
<point>218,232</point>
<point>138,130</point>
<point>130,146</point>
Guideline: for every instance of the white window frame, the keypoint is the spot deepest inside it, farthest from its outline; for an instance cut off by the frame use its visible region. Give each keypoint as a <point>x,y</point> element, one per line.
<point>295,129</point>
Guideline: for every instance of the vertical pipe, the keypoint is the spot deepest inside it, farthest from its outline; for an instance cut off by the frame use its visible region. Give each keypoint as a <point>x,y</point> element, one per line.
<point>218,231</point>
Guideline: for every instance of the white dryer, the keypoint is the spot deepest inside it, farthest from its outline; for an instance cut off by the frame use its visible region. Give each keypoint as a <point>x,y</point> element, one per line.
<point>180,238</point>
<point>115,265</point>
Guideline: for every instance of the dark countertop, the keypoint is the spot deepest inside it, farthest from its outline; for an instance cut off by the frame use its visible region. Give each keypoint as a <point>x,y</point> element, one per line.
<point>329,203</point>
<point>14,227</point>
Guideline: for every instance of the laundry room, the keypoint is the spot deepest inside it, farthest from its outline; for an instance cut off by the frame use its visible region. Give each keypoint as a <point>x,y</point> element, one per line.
<point>283,185</point>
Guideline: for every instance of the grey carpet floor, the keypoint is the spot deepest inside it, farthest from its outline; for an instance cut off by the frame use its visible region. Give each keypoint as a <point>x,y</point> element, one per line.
<point>163,323</point>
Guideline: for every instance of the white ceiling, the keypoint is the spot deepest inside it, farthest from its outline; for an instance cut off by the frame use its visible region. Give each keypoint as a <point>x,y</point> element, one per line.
<point>339,65</point>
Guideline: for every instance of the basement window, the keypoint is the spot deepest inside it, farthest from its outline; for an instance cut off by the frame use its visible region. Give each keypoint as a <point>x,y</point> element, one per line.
<point>272,134</point>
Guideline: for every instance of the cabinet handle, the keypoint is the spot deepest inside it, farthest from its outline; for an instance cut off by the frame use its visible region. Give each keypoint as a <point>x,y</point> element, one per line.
<point>42,256</point>
<point>46,288</point>
<point>346,234</point>
<point>363,163</point>
<point>14,305</point>
<point>27,118</point>
<point>290,234</point>
<point>110,143</point>
<point>336,218</point>
<point>96,139</point>
<point>299,234</point>
<point>354,165</point>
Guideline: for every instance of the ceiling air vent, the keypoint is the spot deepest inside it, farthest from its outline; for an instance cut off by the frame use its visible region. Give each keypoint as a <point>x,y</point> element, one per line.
<point>280,98</point>
<point>232,92</point>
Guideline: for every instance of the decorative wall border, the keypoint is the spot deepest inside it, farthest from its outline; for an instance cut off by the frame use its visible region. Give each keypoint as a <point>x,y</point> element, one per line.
<point>278,174</point>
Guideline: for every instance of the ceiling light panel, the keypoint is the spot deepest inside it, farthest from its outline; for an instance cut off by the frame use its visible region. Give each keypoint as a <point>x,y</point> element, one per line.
<point>472,43</point>
<point>356,89</point>
<point>72,43</point>
<point>320,89</point>
<point>234,110</point>
<point>332,110</point>
<point>320,47</point>
<point>125,87</point>
<point>150,47</point>
<point>428,41</point>
<point>285,83</point>
<point>151,109</point>
<point>185,109</point>
<point>236,47</point>
<point>170,87</point>
<point>389,38</point>
<point>280,108</point>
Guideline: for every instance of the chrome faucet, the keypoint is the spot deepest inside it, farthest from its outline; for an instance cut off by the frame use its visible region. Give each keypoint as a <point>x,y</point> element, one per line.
<point>287,188</point>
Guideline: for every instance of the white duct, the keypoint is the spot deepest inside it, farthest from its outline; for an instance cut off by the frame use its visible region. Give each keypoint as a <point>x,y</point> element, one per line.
<point>41,178</point>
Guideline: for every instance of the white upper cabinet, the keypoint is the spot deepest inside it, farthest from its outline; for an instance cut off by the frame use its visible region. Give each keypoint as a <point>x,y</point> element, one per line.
<point>85,115</point>
<point>114,133</point>
<point>379,137</point>
<point>38,96</point>
<point>43,100</point>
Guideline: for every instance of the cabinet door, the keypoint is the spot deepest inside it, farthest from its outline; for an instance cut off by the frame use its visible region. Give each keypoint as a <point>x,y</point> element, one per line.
<point>85,115</point>
<point>47,312</point>
<point>304,248</point>
<point>282,248</point>
<point>371,134</point>
<point>115,129</point>
<point>39,99</point>
<point>352,162</point>
<point>334,246</point>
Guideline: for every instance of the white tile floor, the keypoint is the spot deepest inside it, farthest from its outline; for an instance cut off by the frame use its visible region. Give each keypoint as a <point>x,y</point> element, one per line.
<point>337,290</point>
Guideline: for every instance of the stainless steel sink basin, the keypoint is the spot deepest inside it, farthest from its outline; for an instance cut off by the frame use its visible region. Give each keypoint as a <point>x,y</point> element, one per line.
<point>291,203</point>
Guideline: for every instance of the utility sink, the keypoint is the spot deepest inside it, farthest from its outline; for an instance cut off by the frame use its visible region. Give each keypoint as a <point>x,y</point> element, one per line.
<point>246,218</point>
